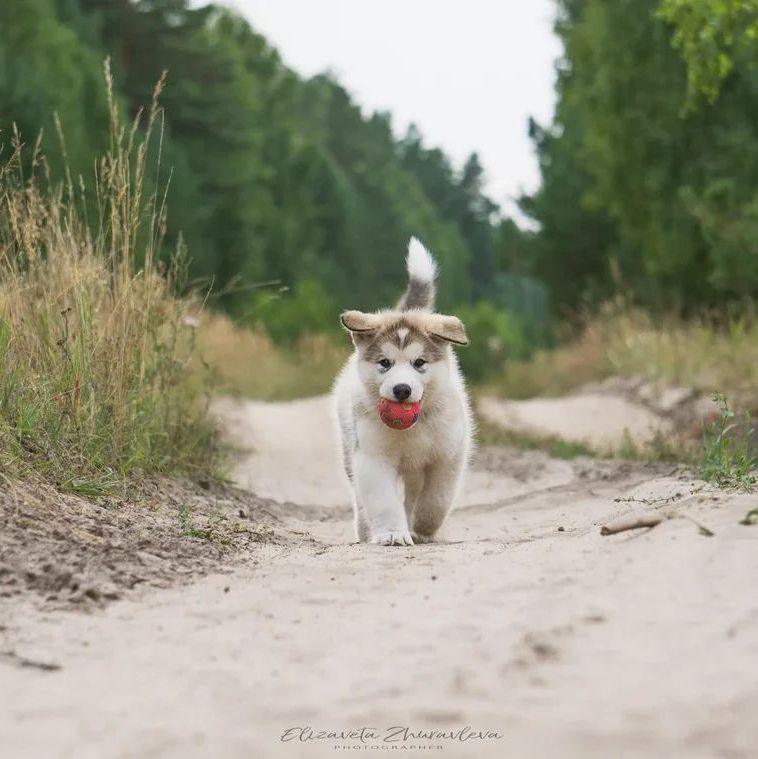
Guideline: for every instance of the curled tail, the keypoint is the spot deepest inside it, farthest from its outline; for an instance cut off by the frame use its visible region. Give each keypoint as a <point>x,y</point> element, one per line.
<point>422,277</point>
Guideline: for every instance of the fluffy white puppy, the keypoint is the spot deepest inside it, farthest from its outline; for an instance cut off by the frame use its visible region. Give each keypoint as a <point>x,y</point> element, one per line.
<point>404,481</point>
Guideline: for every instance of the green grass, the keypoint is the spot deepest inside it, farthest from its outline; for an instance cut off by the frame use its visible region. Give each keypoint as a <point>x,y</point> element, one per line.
<point>491,434</point>
<point>727,459</point>
<point>218,527</point>
<point>95,353</point>
<point>92,486</point>
<point>658,448</point>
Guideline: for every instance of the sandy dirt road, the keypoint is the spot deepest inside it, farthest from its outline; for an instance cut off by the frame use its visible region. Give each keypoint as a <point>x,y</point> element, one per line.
<point>526,624</point>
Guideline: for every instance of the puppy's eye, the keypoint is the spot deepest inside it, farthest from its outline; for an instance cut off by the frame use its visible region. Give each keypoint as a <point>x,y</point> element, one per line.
<point>385,363</point>
<point>419,363</point>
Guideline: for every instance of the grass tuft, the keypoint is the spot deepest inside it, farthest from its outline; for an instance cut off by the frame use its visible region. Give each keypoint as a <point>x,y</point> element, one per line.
<point>659,448</point>
<point>727,459</point>
<point>94,351</point>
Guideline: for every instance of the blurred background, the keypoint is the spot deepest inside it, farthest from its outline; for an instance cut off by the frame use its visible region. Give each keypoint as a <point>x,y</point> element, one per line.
<point>584,171</point>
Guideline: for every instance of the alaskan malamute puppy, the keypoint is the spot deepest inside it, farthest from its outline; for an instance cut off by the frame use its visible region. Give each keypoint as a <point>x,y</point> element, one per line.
<point>404,480</point>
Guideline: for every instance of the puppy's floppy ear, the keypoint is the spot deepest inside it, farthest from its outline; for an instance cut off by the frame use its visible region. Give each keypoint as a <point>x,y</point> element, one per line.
<point>357,321</point>
<point>360,325</point>
<point>449,328</point>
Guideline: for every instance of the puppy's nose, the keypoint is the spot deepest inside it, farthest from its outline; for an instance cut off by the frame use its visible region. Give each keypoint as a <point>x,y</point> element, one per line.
<point>402,392</point>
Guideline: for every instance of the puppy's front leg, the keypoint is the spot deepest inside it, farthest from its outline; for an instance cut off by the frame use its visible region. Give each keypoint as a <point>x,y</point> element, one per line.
<point>440,488</point>
<point>378,494</point>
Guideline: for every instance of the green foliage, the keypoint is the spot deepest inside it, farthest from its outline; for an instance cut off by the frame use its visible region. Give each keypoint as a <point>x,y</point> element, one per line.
<point>276,178</point>
<point>271,177</point>
<point>308,308</point>
<point>460,199</point>
<point>572,251</point>
<point>710,35</point>
<point>47,72</point>
<point>638,192</point>
<point>727,459</point>
<point>495,337</point>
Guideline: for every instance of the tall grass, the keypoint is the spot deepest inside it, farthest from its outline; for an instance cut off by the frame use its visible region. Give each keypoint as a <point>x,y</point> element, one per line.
<point>93,348</point>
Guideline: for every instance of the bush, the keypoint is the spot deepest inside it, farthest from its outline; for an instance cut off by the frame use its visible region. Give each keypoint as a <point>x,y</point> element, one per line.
<point>495,336</point>
<point>287,315</point>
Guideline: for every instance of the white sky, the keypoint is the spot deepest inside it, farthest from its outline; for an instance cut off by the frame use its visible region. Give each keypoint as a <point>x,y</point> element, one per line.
<point>469,73</point>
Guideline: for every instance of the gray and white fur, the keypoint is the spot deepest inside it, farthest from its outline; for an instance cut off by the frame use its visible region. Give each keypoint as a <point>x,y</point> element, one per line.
<point>404,482</point>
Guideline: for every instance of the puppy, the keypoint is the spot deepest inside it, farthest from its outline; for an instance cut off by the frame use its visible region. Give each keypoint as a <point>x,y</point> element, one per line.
<point>404,481</point>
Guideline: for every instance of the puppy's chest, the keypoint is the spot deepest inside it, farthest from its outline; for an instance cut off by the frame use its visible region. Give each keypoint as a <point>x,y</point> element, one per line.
<point>425,442</point>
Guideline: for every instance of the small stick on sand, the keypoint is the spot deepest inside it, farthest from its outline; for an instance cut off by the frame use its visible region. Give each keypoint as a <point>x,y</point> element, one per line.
<point>641,523</point>
<point>638,523</point>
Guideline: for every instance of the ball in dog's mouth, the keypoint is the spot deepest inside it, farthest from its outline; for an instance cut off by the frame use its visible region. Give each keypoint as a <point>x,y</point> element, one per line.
<point>398,415</point>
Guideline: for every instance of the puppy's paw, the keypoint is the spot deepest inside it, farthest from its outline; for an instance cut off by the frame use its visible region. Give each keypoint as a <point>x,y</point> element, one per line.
<point>419,538</point>
<point>397,538</point>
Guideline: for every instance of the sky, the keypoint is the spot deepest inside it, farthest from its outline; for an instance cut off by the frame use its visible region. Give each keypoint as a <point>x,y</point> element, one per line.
<point>468,73</point>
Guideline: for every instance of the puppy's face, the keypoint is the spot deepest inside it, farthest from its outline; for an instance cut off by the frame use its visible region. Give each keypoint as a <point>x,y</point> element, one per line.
<point>401,354</point>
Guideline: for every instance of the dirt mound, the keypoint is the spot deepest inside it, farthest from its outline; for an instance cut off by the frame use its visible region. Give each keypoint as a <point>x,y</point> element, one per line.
<point>607,415</point>
<point>83,552</point>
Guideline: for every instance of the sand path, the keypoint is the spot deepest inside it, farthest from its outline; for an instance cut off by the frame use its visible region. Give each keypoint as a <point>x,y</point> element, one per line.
<point>527,623</point>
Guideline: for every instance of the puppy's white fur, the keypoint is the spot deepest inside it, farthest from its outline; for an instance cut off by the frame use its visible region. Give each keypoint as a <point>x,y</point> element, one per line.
<point>404,481</point>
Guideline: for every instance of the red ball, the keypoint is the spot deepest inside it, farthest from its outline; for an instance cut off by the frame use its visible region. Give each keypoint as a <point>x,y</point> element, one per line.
<point>399,415</point>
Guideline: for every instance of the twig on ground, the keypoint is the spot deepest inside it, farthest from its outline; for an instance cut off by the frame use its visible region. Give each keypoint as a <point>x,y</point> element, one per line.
<point>648,522</point>
<point>638,523</point>
<point>21,661</point>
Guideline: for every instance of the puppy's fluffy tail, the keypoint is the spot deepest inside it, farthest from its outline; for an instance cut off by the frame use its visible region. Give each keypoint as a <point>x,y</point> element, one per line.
<point>422,278</point>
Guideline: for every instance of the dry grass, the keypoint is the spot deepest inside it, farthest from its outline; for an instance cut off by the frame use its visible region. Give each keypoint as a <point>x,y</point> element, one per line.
<point>93,351</point>
<point>557,371</point>
<point>246,362</point>
<point>705,354</point>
